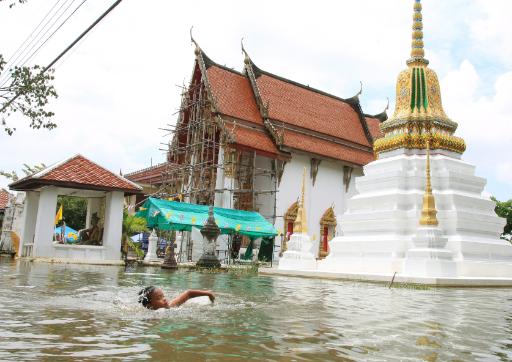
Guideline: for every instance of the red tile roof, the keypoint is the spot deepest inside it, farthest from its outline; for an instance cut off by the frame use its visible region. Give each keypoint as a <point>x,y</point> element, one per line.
<point>374,127</point>
<point>256,139</point>
<point>233,94</point>
<point>296,105</point>
<point>326,148</point>
<point>77,172</point>
<point>4,199</point>
<point>151,175</point>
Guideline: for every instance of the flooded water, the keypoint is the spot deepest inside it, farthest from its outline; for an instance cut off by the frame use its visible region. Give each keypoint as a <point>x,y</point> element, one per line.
<point>77,312</point>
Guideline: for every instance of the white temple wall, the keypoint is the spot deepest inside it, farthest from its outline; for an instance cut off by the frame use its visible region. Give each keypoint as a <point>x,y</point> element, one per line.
<point>328,190</point>
<point>264,201</point>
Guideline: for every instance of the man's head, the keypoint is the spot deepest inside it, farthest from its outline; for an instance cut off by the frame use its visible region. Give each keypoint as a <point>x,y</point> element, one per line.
<point>153,298</point>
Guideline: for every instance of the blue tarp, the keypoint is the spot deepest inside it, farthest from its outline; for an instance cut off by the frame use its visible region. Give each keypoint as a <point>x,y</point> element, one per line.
<point>173,215</point>
<point>71,234</point>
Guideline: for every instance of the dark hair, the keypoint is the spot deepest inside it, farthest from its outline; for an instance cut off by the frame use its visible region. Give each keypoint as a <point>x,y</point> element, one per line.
<point>145,296</point>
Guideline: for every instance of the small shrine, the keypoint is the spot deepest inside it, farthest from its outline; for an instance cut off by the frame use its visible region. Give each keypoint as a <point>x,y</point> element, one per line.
<point>100,241</point>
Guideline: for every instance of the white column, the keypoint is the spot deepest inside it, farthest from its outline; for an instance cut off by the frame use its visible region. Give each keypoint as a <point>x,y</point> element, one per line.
<point>152,245</point>
<point>219,181</point>
<point>45,223</point>
<point>28,223</point>
<point>113,225</point>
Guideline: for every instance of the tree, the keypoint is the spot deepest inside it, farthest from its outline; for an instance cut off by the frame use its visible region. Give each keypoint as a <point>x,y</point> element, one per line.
<point>74,210</point>
<point>27,170</point>
<point>504,209</point>
<point>132,225</point>
<point>27,91</point>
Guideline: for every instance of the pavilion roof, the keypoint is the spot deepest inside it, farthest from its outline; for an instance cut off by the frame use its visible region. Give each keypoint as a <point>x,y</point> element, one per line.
<point>4,199</point>
<point>77,172</point>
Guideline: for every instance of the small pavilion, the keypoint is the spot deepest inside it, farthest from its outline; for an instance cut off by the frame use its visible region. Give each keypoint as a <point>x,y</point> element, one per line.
<point>78,177</point>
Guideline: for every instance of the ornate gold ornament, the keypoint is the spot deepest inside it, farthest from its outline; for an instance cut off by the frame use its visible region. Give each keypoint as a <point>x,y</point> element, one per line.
<point>419,108</point>
<point>428,212</point>
<point>301,226</point>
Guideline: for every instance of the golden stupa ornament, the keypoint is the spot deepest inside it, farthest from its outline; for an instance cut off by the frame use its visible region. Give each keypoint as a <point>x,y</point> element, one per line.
<point>300,226</point>
<point>419,110</point>
<point>428,212</point>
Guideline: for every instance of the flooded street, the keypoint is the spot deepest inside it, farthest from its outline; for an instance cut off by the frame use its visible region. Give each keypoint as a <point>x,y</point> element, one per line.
<point>81,312</point>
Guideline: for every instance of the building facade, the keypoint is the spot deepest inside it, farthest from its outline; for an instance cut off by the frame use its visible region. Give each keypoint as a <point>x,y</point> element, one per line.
<point>243,139</point>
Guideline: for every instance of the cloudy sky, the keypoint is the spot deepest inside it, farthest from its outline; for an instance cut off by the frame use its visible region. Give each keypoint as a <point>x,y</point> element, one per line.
<point>121,83</point>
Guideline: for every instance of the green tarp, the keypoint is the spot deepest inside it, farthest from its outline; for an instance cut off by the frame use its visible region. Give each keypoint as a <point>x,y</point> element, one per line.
<point>173,215</point>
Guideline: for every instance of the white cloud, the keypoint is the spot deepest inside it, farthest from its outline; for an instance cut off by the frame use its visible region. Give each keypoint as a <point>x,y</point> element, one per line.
<point>119,86</point>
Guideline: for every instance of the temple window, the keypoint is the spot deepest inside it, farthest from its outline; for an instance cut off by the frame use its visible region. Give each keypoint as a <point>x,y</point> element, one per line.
<point>327,231</point>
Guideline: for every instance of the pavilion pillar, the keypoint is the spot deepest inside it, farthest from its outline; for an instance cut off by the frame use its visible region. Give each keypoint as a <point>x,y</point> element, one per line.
<point>45,222</point>
<point>112,228</point>
<point>28,225</point>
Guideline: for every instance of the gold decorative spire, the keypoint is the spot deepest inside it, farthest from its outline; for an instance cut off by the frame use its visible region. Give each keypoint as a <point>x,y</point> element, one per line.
<point>417,51</point>
<point>300,226</point>
<point>428,212</point>
<point>419,112</point>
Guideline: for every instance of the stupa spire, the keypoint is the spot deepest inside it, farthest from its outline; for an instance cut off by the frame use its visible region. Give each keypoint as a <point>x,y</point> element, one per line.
<point>428,212</point>
<point>417,51</point>
<point>300,225</point>
<point>419,112</point>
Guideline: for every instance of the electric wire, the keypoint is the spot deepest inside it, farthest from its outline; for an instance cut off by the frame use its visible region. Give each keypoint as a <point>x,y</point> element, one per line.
<point>112,7</point>
<point>27,56</point>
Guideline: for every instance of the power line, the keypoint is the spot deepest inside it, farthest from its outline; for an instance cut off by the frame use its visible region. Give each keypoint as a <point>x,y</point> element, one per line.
<point>112,7</point>
<point>27,57</point>
<point>35,40</point>
<point>32,33</point>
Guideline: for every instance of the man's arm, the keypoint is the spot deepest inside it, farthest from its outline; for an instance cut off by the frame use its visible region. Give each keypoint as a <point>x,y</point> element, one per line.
<point>191,293</point>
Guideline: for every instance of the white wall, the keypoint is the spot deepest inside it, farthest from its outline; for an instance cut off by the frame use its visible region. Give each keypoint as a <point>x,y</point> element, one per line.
<point>329,189</point>
<point>264,202</point>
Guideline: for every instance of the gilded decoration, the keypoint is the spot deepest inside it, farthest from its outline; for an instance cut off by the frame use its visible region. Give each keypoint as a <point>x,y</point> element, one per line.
<point>419,141</point>
<point>229,162</point>
<point>428,211</point>
<point>301,226</point>
<point>289,218</point>
<point>327,223</point>
<point>418,110</point>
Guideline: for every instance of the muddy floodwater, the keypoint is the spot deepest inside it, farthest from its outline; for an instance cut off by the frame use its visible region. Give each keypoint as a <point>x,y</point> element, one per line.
<point>63,312</point>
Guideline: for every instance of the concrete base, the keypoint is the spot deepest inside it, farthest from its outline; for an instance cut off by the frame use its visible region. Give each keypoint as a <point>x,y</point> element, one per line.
<point>152,262</point>
<point>73,261</point>
<point>399,279</point>
<point>299,255</point>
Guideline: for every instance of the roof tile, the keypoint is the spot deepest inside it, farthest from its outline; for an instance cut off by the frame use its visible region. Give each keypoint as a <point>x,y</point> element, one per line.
<point>326,148</point>
<point>233,94</point>
<point>293,104</point>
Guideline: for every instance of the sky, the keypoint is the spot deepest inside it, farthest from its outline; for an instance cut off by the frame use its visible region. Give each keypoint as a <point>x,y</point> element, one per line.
<point>121,84</point>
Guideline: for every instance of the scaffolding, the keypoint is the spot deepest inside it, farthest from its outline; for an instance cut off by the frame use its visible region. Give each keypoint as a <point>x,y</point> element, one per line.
<point>194,159</point>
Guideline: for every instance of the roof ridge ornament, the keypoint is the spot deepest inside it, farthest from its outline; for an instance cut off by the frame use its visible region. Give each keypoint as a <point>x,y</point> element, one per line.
<point>417,51</point>
<point>247,59</point>
<point>198,48</point>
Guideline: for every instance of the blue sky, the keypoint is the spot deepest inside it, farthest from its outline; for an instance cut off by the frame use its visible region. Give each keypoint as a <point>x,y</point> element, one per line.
<point>120,85</point>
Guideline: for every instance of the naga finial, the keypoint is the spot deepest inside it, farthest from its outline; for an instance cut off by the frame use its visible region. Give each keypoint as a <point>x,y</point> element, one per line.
<point>194,41</point>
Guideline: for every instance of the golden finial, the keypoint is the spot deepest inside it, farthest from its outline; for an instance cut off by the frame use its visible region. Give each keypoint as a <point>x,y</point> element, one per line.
<point>417,51</point>
<point>300,226</point>
<point>428,212</point>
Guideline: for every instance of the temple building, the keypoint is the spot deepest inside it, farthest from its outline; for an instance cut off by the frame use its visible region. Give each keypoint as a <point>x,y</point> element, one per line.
<point>242,140</point>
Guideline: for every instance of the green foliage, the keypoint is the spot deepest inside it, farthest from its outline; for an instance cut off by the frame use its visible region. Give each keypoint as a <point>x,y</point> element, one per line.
<point>132,225</point>
<point>504,209</point>
<point>12,2</point>
<point>28,92</point>
<point>27,170</point>
<point>74,211</point>
<point>136,248</point>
